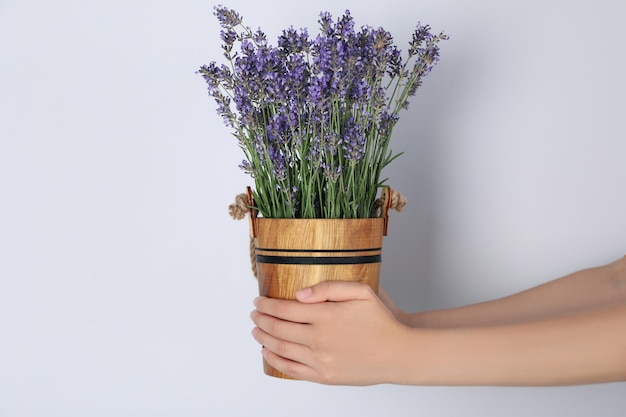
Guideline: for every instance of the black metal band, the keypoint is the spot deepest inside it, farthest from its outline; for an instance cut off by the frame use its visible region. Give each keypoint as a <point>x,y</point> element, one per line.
<point>318,260</point>
<point>318,250</point>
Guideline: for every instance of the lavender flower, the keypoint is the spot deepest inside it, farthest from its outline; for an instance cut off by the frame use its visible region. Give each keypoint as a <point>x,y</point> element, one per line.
<point>314,116</point>
<point>228,18</point>
<point>353,141</point>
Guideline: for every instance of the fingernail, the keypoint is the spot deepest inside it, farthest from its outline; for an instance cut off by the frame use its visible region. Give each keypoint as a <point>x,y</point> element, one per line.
<point>255,301</point>
<point>304,293</point>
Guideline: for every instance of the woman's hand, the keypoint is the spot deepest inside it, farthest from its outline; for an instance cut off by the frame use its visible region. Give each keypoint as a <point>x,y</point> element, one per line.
<point>336,333</point>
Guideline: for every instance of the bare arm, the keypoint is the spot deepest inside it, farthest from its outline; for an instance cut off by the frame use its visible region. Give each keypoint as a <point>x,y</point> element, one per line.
<point>568,331</point>
<point>587,289</point>
<point>582,348</point>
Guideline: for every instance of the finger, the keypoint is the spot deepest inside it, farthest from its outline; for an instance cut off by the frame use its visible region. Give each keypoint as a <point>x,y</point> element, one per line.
<point>335,291</point>
<point>288,350</point>
<point>285,309</point>
<point>281,329</point>
<point>293,369</point>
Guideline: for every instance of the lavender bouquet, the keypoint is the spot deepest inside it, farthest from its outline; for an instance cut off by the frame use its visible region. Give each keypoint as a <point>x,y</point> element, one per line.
<point>314,116</point>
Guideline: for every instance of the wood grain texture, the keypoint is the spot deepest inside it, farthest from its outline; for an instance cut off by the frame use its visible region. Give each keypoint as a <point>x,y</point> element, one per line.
<point>332,240</point>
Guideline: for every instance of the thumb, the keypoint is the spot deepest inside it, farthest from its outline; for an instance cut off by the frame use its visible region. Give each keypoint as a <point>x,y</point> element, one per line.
<point>335,291</point>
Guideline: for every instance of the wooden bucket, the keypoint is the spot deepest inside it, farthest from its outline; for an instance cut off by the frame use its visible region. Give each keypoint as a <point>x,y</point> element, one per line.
<point>292,254</point>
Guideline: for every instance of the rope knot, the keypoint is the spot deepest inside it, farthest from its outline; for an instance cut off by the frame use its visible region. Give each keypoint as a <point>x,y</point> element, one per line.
<point>397,202</point>
<point>240,208</point>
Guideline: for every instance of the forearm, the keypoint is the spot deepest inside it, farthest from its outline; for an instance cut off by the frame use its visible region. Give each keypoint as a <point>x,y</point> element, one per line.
<point>590,288</point>
<point>582,348</point>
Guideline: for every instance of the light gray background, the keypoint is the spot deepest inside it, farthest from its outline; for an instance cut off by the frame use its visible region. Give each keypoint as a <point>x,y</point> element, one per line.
<point>124,285</point>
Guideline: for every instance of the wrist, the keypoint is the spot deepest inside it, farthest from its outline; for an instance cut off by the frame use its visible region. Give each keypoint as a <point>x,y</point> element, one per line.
<point>423,319</point>
<point>414,360</point>
<point>404,317</point>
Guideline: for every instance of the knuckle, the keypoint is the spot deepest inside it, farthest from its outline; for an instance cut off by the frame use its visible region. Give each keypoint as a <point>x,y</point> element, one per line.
<point>292,370</point>
<point>282,349</point>
<point>328,377</point>
<point>274,326</point>
<point>282,309</point>
<point>327,370</point>
<point>325,362</point>
<point>321,343</point>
